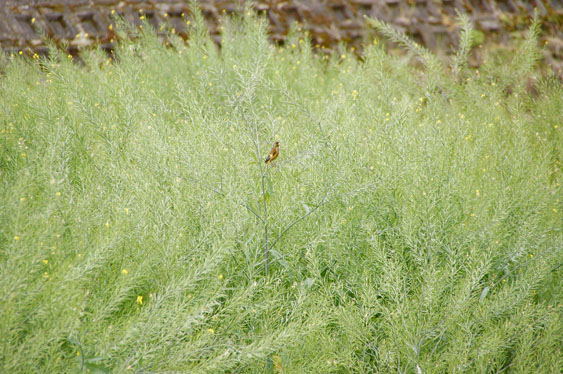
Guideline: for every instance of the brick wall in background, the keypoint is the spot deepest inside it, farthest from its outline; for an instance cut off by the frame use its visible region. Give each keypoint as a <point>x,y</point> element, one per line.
<point>431,22</point>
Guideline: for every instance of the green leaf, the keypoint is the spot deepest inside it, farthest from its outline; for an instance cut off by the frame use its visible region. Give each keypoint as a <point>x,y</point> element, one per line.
<point>484,294</point>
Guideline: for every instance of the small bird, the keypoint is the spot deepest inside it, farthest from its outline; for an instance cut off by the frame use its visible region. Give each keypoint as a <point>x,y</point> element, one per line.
<point>274,153</point>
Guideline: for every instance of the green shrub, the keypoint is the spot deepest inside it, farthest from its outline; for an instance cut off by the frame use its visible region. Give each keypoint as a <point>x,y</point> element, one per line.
<point>412,223</point>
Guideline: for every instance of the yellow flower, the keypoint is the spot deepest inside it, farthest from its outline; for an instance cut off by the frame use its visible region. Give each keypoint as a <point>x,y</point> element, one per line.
<point>531,255</point>
<point>16,238</point>
<point>124,272</point>
<point>220,276</point>
<point>45,262</point>
<point>33,20</point>
<point>477,193</point>
<point>107,224</point>
<point>58,193</point>
<point>211,331</point>
<point>22,199</point>
<point>140,300</point>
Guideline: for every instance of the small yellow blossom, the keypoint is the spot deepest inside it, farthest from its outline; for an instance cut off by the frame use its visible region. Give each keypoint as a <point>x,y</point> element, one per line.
<point>220,276</point>
<point>110,27</point>
<point>107,224</point>
<point>477,193</point>
<point>33,20</point>
<point>343,56</point>
<point>126,210</point>
<point>22,199</point>
<point>124,272</point>
<point>112,12</point>
<point>531,255</point>
<point>21,53</point>
<point>58,193</point>
<point>16,238</point>
<point>46,275</point>
<point>211,331</point>
<point>140,300</point>
<point>45,262</point>
<point>554,210</point>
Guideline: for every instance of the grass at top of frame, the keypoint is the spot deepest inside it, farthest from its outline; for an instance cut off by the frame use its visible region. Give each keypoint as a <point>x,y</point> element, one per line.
<point>412,222</point>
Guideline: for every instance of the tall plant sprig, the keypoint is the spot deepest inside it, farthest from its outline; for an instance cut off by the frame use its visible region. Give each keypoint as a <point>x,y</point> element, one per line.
<point>434,68</point>
<point>529,53</point>
<point>459,62</point>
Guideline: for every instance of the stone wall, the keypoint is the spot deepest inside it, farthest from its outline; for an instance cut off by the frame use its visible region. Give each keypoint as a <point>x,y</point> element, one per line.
<point>329,22</point>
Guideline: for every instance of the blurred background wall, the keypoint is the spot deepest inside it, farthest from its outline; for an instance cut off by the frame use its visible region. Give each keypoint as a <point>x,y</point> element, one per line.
<point>432,23</point>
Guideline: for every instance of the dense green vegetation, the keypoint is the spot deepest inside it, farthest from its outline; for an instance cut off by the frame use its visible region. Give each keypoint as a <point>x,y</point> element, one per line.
<point>413,222</point>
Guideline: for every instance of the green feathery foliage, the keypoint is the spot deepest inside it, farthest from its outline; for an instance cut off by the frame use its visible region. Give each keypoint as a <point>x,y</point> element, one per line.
<point>403,232</point>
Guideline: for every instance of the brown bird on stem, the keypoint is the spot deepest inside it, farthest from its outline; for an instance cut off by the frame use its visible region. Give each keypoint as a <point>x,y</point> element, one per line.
<point>274,153</point>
